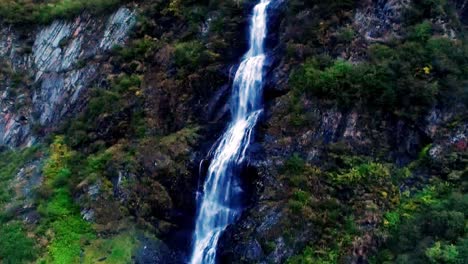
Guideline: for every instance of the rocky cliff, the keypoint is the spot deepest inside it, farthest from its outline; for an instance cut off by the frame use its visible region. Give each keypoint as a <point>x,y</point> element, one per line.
<point>53,65</point>
<point>108,118</point>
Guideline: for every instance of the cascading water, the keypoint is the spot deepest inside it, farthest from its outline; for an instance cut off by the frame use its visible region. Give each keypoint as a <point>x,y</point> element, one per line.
<point>217,206</point>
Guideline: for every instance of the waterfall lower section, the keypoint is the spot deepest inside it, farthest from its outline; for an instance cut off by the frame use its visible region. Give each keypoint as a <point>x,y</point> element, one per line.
<point>218,205</point>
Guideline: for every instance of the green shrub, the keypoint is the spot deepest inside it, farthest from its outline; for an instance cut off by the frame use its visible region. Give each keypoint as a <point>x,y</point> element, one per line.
<point>442,253</point>
<point>363,173</point>
<point>421,32</point>
<point>435,214</point>
<point>294,165</point>
<point>138,49</point>
<point>15,246</point>
<point>405,79</point>
<point>188,54</point>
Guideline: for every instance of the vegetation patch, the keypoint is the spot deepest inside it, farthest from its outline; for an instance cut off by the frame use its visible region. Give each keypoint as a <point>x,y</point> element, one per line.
<point>117,249</point>
<point>26,12</point>
<point>61,221</point>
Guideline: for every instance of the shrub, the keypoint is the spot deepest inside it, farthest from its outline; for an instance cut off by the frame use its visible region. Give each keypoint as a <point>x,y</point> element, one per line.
<point>188,54</point>
<point>442,253</point>
<point>362,173</point>
<point>15,246</point>
<point>405,79</point>
<point>421,32</point>
<point>294,165</point>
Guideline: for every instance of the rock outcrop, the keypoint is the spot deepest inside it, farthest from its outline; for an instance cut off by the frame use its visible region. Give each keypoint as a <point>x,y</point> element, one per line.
<point>61,60</point>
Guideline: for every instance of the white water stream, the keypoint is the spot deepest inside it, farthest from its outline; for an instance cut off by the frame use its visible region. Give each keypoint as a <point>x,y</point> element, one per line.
<point>217,207</point>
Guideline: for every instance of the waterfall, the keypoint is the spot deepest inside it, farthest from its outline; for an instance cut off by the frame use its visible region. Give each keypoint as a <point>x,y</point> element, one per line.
<point>217,205</point>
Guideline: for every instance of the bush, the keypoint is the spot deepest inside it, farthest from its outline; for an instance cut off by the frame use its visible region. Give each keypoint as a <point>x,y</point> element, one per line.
<point>15,246</point>
<point>188,54</point>
<point>442,253</point>
<point>421,32</point>
<point>406,79</point>
<point>427,227</point>
<point>294,165</point>
<point>361,174</point>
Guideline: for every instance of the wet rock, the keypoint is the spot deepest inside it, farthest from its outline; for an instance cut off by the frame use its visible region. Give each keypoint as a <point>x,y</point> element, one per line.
<point>154,251</point>
<point>87,214</point>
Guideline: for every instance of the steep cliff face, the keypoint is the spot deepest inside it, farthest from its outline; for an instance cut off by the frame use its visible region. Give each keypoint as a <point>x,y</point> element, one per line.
<point>365,109</point>
<point>57,63</point>
<point>300,152</point>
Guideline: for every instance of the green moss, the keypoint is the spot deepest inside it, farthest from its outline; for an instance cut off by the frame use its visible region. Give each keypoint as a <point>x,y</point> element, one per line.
<point>70,233</point>
<point>11,162</point>
<point>113,250</point>
<point>61,220</point>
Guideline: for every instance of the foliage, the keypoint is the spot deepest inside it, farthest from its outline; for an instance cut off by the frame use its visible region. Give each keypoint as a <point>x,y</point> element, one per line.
<point>192,55</point>
<point>61,221</point>
<point>428,227</point>
<point>11,161</point>
<point>113,250</point>
<point>137,49</point>
<point>405,79</point>
<point>442,254</point>
<point>308,256</point>
<point>363,173</point>
<point>25,12</point>
<point>15,246</point>
<point>294,165</point>
<point>120,100</point>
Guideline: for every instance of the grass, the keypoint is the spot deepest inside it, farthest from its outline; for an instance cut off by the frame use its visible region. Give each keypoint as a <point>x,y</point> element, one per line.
<point>114,250</point>
<point>25,12</point>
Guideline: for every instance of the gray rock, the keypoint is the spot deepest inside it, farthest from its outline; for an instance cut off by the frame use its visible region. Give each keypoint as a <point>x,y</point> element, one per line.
<point>55,69</point>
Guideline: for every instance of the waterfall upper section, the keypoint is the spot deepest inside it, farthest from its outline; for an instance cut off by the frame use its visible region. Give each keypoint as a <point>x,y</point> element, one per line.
<point>218,205</point>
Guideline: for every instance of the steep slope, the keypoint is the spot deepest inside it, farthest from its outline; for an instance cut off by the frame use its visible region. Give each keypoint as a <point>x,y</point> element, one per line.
<point>110,108</point>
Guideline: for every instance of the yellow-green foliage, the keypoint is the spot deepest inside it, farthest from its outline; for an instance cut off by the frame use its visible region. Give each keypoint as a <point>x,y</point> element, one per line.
<point>61,221</point>
<point>114,250</point>
<point>427,227</point>
<point>56,164</point>
<point>362,173</point>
